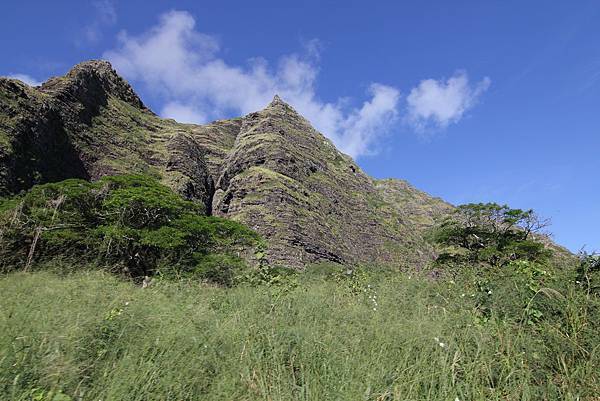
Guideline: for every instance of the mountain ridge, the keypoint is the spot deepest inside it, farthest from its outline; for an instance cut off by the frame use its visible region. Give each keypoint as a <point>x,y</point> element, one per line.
<point>269,169</point>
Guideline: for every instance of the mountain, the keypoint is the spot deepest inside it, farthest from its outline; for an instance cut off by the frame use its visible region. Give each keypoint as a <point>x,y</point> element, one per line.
<point>270,169</point>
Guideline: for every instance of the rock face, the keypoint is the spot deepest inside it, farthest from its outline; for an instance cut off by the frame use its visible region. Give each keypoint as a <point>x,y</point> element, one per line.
<point>270,169</point>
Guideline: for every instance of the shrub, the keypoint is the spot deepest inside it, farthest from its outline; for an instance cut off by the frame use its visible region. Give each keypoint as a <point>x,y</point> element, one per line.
<point>588,272</point>
<point>131,221</point>
<point>218,268</point>
<point>494,251</point>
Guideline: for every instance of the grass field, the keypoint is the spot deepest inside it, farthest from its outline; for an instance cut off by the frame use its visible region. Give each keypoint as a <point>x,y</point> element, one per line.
<point>91,336</point>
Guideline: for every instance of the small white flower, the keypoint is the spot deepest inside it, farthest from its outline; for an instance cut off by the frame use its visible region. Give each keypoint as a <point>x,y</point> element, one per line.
<point>462,295</point>
<point>441,344</point>
<point>127,303</point>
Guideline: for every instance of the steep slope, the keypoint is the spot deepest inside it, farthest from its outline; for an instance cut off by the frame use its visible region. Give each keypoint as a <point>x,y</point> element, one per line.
<point>289,182</point>
<point>34,145</point>
<point>88,124</point>
<point>270,169</point>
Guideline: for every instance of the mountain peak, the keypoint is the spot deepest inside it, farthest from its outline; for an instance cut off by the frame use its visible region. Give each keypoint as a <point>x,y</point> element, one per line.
<point>99,67</point>
<point>281,108</point>
<point>279,102</point>
<point>91,80</point>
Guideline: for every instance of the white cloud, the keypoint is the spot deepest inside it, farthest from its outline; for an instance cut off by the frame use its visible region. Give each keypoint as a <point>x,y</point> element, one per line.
<point>438,103</point>
<point>105,15</point>
<point>183,113</point>
<point>183,66</point>
<point>28,79</point>
<point>373,117</point>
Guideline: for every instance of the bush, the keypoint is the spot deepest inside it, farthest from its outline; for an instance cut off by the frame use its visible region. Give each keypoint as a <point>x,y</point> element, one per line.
<point>219,268</point>
<point>588,272</point>
<point>491,233</point>
<point>494,251</point>
<point>130,221</point>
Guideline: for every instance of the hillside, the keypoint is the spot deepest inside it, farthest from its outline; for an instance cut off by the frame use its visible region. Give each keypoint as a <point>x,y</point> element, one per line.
<point>144,259</point>
<point>270,169</point>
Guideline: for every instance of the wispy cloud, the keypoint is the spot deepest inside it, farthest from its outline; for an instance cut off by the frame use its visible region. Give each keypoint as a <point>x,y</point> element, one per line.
<point>437,104</point>
<point>104,15</point>
<point>28,79</point>
<point>183,66</point>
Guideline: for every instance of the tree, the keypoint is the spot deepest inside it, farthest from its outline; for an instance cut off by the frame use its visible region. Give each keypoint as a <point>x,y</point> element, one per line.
<point>130,222</point>
<point>492,233</point>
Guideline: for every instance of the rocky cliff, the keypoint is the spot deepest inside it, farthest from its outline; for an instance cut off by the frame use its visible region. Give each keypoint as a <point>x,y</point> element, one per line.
<point>270,169</point>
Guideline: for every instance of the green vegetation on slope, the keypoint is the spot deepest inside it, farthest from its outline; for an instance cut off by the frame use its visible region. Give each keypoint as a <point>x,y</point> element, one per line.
<point>503,318</point>
<point>131,223</point>
<point>327,336</point>
<point>493,234</point>
<point>502,321</point>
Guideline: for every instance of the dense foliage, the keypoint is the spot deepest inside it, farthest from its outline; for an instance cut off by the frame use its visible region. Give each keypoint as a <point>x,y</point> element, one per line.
<point>131,223</point>
<point>493,244</point>
<point>491,233</point>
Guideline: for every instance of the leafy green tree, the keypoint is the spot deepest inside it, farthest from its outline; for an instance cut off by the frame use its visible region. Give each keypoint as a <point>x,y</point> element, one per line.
<point>491,233</point>
<point>130,222</point>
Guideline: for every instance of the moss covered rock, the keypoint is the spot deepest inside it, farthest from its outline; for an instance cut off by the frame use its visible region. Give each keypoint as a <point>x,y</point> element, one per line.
<point>270,170</point>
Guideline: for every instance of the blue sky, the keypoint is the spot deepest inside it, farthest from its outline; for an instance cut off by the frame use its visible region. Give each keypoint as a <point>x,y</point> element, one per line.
<point>470,101</point>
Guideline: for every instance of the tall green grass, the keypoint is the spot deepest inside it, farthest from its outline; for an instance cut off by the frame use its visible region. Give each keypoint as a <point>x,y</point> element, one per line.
<point>91,336</point>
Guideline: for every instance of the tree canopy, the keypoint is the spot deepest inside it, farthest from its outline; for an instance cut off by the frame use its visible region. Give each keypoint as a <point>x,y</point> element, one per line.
<point>491,233</point>
<point>130,222</point>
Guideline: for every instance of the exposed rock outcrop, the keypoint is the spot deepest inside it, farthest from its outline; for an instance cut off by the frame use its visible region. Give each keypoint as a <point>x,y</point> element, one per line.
<point>270,169</point>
